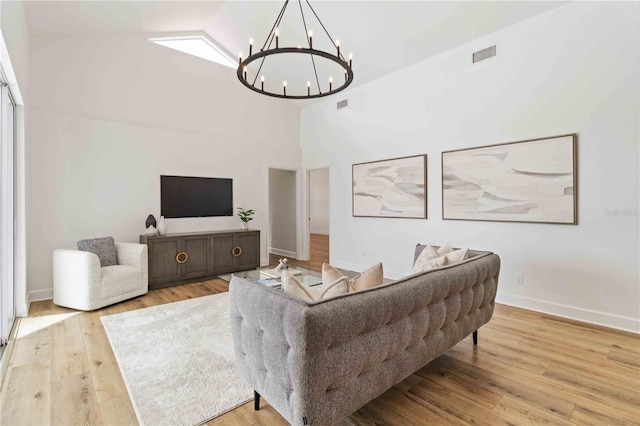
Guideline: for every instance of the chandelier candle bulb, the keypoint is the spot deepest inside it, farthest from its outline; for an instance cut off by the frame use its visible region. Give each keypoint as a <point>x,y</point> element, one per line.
<point>284,87</point>
<point>338,47</point>
<point>350,59</point>
<point>308,88</point>
<point>277,37</point>
<point>330,83</point>
<point>310,39</point>
<point>250,46</point>
<point>239,58</point>
<point>245,72</point>
<point>262,83</point>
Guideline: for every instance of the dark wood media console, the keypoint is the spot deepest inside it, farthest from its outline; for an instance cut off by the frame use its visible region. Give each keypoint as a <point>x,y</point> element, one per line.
<point>176,259</point>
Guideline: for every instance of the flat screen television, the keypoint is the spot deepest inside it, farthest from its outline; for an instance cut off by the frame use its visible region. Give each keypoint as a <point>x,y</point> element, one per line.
<point>182,196</point>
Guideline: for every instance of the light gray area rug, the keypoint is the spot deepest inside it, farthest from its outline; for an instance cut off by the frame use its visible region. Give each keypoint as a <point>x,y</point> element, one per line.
<point>177,360</point>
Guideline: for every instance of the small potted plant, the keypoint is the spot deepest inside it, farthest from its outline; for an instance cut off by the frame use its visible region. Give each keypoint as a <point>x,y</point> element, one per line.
<point>245,217</point>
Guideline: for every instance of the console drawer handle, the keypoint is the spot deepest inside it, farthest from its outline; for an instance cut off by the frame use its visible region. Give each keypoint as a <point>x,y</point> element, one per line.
<point>236,251</point>
<point>182,257</point>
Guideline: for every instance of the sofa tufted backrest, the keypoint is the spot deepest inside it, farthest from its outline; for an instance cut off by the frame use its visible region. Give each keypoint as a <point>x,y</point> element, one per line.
<point>316,363</point>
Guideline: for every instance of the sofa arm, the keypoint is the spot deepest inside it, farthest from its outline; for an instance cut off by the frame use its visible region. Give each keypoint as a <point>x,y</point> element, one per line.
<point>76,277</point>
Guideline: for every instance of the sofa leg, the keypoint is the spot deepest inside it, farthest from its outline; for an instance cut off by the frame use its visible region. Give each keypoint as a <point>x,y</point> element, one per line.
<point>256,400</point>
<point>475,337</point>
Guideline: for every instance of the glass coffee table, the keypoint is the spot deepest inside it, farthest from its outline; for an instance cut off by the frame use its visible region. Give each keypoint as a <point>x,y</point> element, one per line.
<point>267,276</point>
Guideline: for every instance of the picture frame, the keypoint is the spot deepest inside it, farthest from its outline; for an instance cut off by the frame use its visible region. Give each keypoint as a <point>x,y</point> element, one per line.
<point>530,181</point>
<point>394,188</point>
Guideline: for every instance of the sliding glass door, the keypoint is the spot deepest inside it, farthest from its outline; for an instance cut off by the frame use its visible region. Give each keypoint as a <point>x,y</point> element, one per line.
<point>7,210</point>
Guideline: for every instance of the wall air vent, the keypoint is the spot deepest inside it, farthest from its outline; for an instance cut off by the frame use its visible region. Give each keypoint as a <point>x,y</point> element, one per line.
<point>342,104</point>
<point>483,54</point>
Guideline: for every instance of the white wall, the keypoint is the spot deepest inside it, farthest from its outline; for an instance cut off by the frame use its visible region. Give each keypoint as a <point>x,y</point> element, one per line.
<point>573,69</point>
<point>110,114</point>
<point>319,201</point>
<point>283,215</point>
<point>14,56</point>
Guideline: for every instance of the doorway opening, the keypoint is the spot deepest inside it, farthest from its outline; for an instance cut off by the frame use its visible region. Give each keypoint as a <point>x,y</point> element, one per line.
<point>319,214</point>
<point>283,229</point>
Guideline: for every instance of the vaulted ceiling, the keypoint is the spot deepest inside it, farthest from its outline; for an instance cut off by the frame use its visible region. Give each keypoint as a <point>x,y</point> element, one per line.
<point>384,36</point>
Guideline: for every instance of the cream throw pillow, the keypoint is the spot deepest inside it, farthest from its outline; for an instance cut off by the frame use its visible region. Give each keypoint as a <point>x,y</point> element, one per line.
<point>431,258</point>
<point>425,258</point>
<point>330,273</point>
<point>429,264</point>
<point>293,287</point>
<point>457,256</point>
<point>369,278</point>
<point>445,248</point>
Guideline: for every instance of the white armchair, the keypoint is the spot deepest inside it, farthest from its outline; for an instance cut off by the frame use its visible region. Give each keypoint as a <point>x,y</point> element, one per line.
<point>80,283</point>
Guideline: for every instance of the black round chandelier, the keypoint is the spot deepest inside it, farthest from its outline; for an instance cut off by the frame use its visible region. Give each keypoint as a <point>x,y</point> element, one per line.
<point>314,88</point>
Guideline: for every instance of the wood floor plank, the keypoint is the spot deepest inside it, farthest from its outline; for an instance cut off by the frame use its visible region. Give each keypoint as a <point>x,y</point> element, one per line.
<point>506,386</point>
<point>35,347</point>
<point>26,395</point>
<point>568,392</point>
<point>523,413</point>
<point>68,355</point>
<point>246,415</point>
<point>466,409</point>
<point>607,389</point>
<point>477,391</point>
<point>540,352</point>
<point>105,373</point>
<point>73,402</point>
<point>118,411</point>
<point>543,332</point>
<point>626,356</point>
<point>588,417</point>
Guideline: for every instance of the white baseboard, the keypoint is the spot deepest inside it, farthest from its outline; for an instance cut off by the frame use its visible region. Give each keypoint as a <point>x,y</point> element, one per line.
<point>281,252</point>
<point>319,231</point>
<point>37,295</point>
<point>571,312</point>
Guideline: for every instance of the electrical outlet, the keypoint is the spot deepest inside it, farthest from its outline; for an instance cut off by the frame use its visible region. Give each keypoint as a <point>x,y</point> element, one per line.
<point>519,279</point>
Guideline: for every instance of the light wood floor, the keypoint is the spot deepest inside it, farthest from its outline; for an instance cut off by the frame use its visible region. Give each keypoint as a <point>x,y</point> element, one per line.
<point>528,368</point>
<point>318,254</point>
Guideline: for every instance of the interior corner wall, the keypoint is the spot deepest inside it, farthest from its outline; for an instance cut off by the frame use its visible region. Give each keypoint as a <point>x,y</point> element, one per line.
<point>110,114</point>
<point>573,69</point>
<point>282,206</point>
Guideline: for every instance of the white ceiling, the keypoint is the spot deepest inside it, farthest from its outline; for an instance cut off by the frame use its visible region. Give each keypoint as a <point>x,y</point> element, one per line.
<point>384,36</point>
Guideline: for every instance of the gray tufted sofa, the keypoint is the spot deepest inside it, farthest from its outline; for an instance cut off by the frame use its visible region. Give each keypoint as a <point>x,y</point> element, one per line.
<point>316,363</point>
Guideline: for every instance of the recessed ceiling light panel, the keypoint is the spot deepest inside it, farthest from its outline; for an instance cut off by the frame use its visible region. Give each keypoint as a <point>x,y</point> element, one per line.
<point>197,45</point>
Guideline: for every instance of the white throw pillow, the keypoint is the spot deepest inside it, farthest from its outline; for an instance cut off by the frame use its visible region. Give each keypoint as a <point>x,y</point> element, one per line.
<point>457,256</point>
<point>445,248</point>
<point>430,264</point>
<point>426,256</point>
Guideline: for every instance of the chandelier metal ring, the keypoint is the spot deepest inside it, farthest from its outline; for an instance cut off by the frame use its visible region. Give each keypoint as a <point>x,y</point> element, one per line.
<point>280,50</point>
